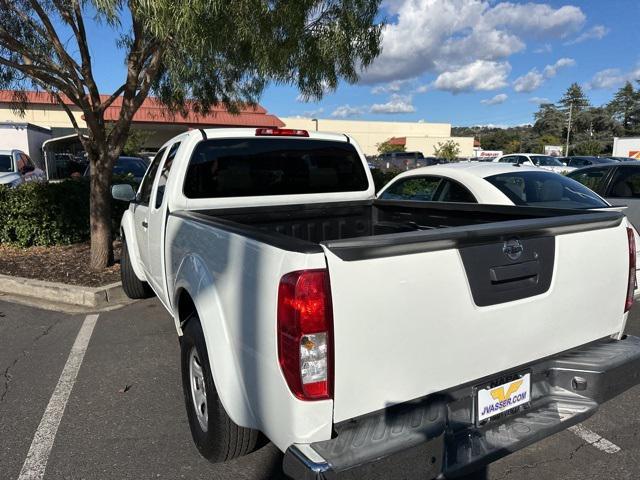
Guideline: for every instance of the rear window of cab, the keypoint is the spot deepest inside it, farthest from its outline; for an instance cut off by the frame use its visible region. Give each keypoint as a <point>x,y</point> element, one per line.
<point>241,167</point>
<point>545,189</point>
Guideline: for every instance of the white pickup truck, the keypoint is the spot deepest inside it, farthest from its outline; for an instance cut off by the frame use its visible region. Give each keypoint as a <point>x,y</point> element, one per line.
<point>360,334</point>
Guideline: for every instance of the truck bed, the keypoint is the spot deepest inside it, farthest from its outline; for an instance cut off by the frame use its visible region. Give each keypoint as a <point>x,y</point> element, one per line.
<point>348,225</point>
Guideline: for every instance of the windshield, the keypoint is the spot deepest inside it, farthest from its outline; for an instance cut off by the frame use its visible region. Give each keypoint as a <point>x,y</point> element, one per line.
<point>547,161</point>
<point>545,189</point>
<point>6,165</point>
<point>133,166</point>
<point>240,167</point>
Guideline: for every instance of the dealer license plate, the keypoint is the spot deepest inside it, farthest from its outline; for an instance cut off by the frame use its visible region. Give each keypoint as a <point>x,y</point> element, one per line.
<point>503,398</point>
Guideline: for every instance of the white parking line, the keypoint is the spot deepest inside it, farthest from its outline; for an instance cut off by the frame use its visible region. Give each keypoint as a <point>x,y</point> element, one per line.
<point>595,440</point>
<point>36,462</point>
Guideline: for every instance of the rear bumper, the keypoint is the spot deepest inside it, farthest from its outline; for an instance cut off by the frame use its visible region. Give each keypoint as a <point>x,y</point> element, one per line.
<point>437,435</point>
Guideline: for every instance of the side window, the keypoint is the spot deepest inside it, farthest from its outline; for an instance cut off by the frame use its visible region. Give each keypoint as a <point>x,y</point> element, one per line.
<point>509,159</point>
<point>522,159</point>
<point>591,178</point>
<point>144,195</point>
<point>577,162</point>
<point>626,183</point>
<point>420,188</point>
<point>164,174</point>
<point>21,163</point>
<point>451,191</point>
<point>29,166</point>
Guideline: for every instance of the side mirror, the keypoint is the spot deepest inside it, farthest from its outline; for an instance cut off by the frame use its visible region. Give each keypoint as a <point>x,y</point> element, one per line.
<point>123,192</point>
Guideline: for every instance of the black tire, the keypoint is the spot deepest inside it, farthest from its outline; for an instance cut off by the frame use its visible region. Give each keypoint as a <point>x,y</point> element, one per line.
<point>222,440</point>
<point>131,284</point>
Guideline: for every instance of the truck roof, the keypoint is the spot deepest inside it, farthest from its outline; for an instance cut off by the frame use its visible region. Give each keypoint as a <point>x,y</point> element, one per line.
<point>251,132</point>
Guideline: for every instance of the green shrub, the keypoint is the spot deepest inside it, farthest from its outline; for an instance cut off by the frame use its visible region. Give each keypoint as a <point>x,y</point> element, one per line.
<point>44,214</point>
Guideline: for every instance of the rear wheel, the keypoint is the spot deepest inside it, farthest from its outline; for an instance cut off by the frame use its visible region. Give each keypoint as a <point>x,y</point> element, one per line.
<point>217,437</point>
<point>131,284</point>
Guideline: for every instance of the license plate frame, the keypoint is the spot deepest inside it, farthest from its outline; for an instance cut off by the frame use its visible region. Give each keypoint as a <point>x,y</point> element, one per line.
<point>482,418</point>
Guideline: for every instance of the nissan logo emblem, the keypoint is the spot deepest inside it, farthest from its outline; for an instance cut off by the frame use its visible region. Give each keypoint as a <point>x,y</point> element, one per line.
<point>513,248</point>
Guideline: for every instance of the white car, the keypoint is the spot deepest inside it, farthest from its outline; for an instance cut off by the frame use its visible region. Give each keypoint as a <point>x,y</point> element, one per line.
<point>16,168</point>
<point>496,184</point>
<point>546,162</point>
<point>357,334</point>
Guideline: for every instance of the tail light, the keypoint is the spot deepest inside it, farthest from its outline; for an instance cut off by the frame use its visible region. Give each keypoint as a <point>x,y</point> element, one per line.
<point>631,285</point>
<point>305,325</point>
<point>280,132</point>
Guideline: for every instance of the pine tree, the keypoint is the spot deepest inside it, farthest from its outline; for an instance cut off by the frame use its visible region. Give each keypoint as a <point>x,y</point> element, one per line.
<point>575,97</point>
<point>625,107</point>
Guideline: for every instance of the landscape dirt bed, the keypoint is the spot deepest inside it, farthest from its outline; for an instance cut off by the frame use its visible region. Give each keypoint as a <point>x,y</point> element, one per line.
<point>65,264</point>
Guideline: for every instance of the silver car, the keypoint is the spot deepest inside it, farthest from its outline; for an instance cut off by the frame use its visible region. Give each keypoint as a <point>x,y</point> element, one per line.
<point>17,168</point>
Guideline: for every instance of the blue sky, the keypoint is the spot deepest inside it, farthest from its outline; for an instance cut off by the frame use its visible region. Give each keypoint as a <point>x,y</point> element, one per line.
<point>465,62</point>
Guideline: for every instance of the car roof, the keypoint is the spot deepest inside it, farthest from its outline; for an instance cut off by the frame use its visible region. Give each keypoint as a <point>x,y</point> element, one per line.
<point>592,158</point>
<point>477,169</point>
<point>605,165</point>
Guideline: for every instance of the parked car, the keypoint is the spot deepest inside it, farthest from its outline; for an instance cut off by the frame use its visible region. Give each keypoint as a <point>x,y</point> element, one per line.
<point>546,162</point>
<point>623,159</point>
<point>315,314</point>
<point>69,165</point>
<point>16,168</point>
<point>403,160</point>
<point>585,161</point>
<point>128,166</point>
<point>618,183</point>
<point>491,183</point>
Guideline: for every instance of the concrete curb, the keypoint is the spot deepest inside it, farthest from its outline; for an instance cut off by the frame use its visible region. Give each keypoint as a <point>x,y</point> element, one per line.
<point>54,292</point>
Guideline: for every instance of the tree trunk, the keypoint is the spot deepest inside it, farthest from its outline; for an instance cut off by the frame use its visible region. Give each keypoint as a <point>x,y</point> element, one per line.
<point>100,210</point>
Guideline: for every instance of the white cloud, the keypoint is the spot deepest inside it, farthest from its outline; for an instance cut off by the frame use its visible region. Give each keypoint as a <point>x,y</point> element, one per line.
<point>534,79</point>
<point>612,78</point>
<point>546,48</point>
<point>346,111</point>
<point>597,32</point>
<point>497,100</point>
<point>550,71</point>
<point>396,104</point>
<point>539,100</point>
<point>528,82</point>
<point>444,36</point>
<point>313,113</point>
<point>391,87</point>
<point>479,75</point>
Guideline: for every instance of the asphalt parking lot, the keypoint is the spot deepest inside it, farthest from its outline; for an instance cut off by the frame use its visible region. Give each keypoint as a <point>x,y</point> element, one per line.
<point>125,418</point>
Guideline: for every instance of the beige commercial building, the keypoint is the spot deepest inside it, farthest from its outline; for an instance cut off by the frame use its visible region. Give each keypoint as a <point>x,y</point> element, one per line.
<point>419,136</point>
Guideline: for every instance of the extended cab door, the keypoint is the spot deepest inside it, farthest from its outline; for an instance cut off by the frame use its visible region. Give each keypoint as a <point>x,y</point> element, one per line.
<point>157,216</point>
<point>141,212</point>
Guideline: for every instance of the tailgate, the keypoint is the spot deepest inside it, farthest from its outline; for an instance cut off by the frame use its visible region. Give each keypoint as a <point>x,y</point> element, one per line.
<point>421,312</point>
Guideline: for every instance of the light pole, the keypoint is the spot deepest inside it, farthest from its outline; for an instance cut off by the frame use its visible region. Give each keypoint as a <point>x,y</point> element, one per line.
<point>315,120</point>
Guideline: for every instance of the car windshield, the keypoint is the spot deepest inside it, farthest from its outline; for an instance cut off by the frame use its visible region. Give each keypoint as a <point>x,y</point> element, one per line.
<point>547,161</point>
<point>6,165</point>
<point>545,189</point>
<point>133,166</point>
